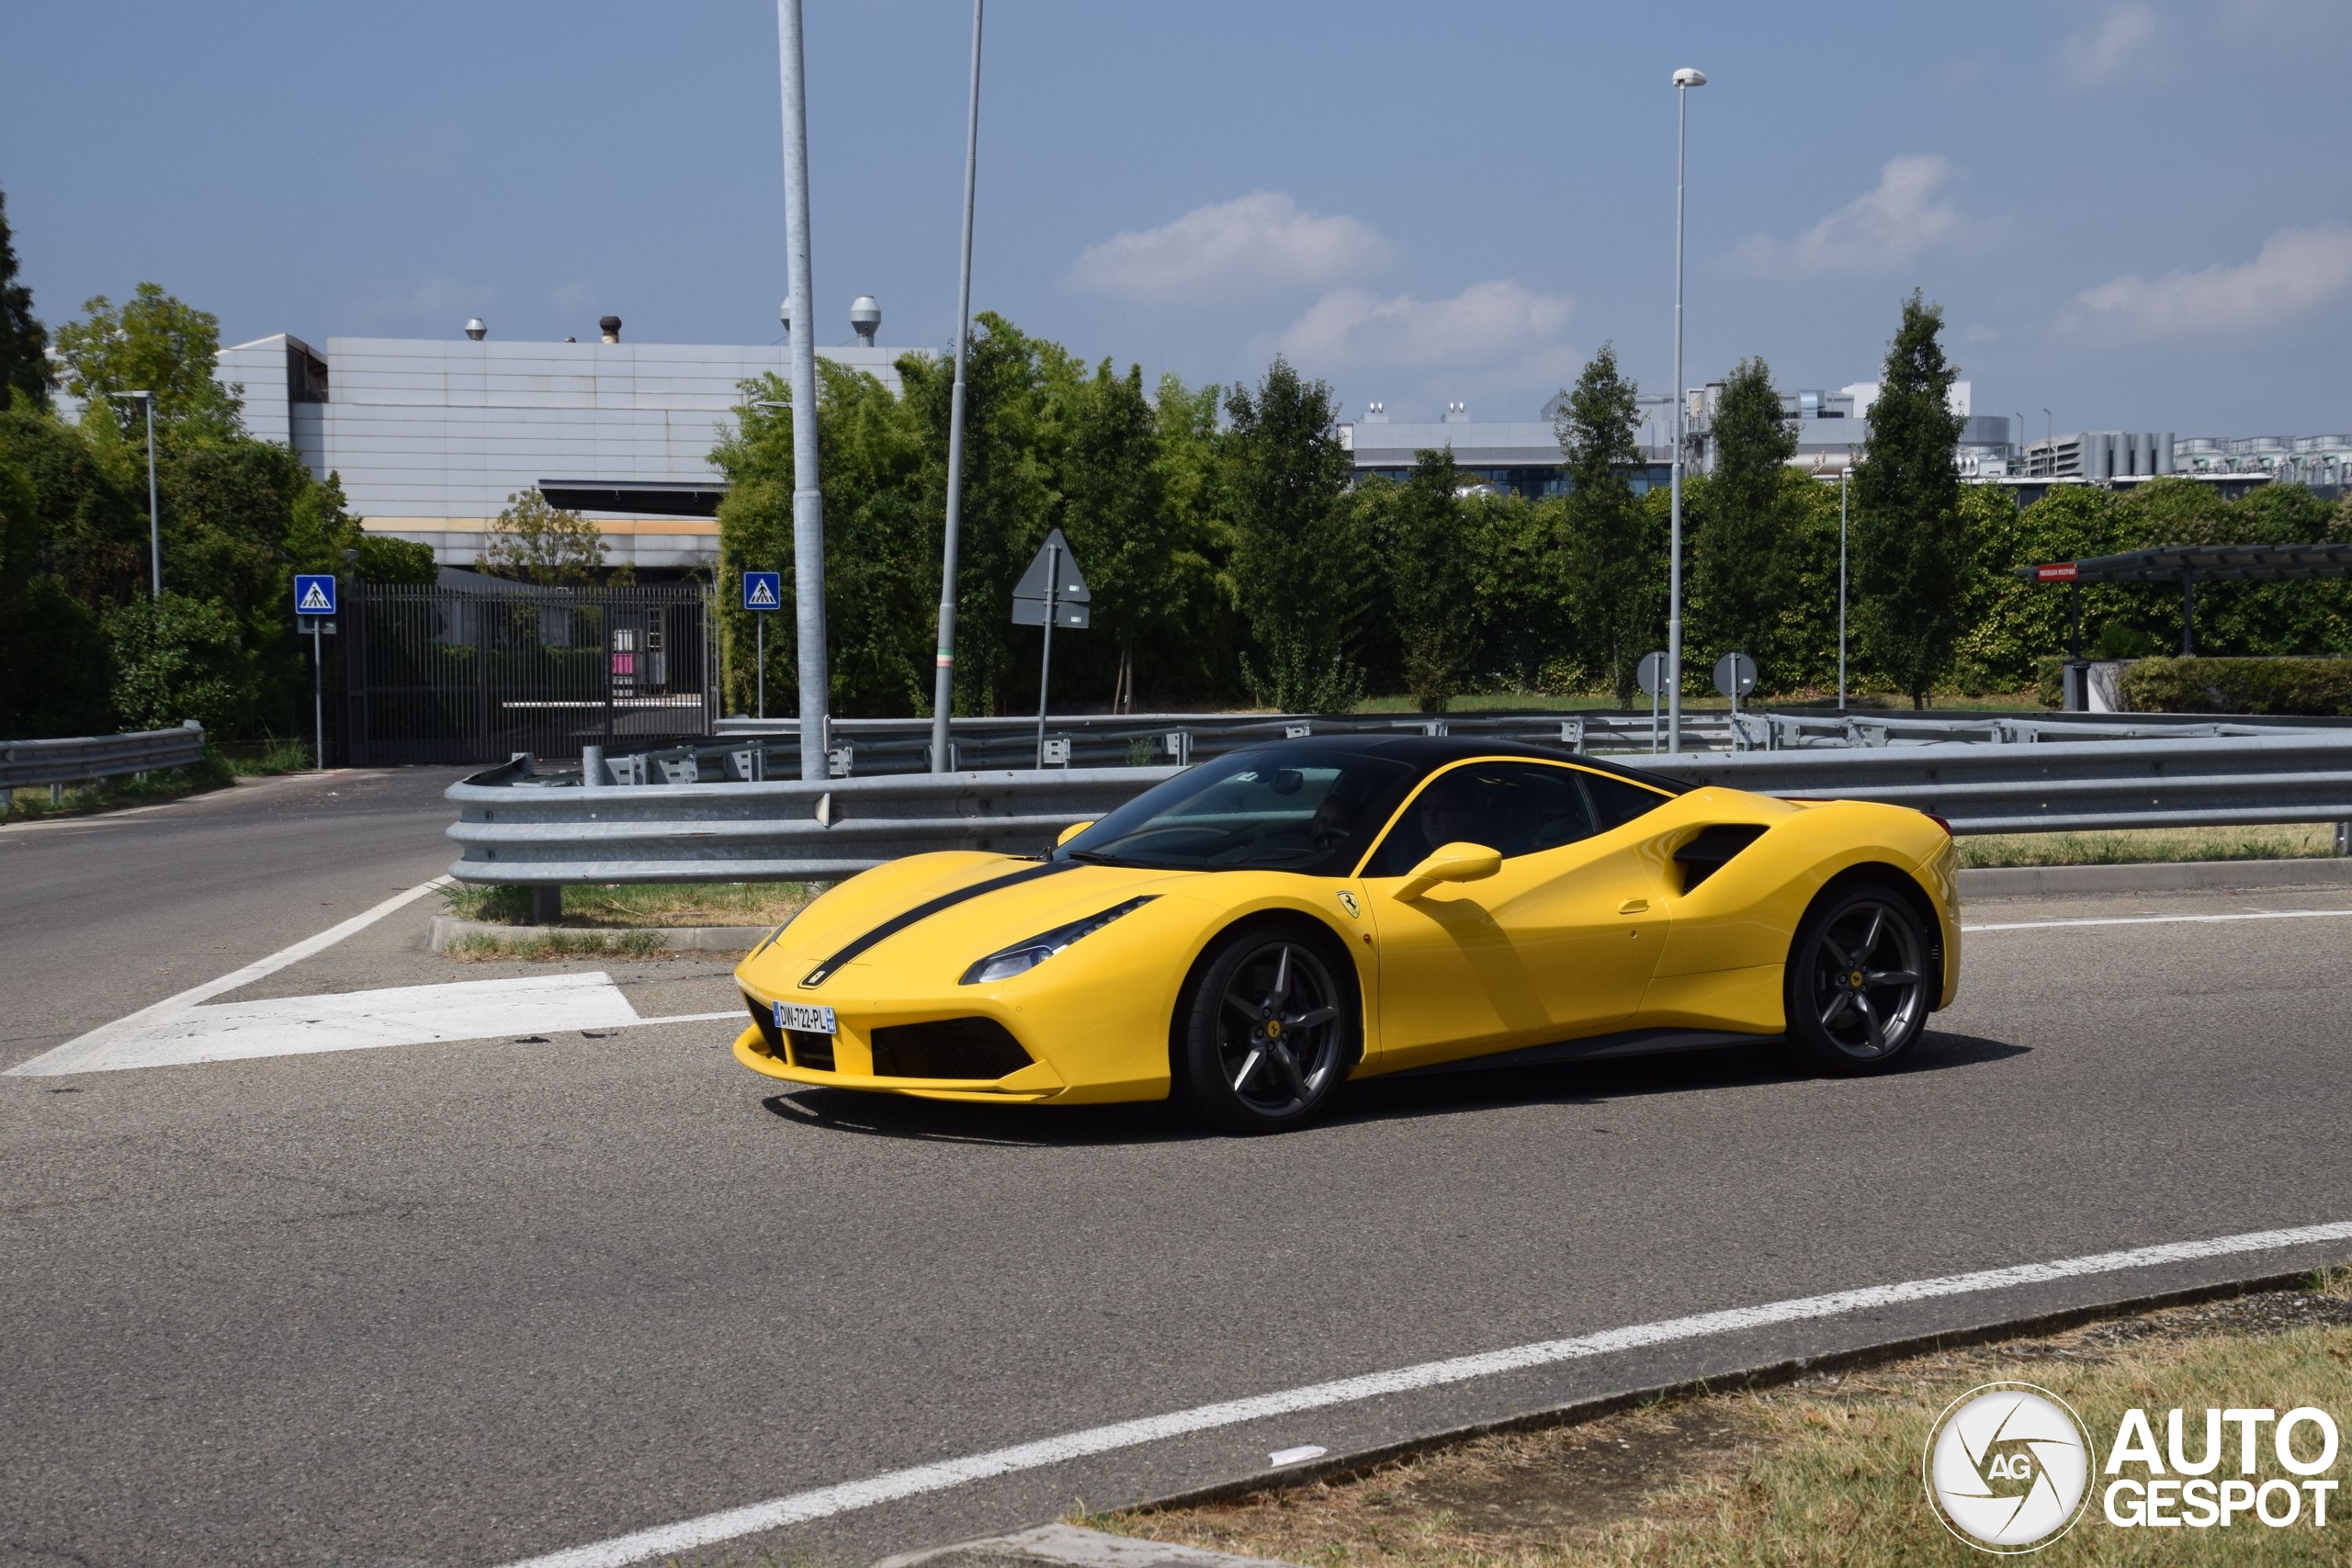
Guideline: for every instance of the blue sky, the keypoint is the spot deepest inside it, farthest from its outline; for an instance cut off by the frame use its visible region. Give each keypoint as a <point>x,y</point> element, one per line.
<point>2137,213</point>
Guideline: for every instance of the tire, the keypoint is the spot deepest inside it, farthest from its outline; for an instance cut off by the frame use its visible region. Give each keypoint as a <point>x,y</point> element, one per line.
<point>1860,980</point>
<point>1266,1031</point>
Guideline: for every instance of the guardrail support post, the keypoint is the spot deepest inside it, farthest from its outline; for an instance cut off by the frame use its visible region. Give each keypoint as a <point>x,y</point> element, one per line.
<point>547,905</point>
<point>2343,838</point>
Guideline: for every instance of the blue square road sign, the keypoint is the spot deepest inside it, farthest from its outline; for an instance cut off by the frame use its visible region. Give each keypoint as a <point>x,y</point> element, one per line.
<point>762,589</point>
<point>313,595</point>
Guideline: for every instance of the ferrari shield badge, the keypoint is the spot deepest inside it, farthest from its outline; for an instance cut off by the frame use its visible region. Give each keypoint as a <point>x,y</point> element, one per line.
<point>1348,902</point>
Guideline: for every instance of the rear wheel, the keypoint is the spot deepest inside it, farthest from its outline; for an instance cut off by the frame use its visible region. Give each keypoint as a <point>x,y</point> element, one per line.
<point>1859,982</point>
<point>1265,1031</point>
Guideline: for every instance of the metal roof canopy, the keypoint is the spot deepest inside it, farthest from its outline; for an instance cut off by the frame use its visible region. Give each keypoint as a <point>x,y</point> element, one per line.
<point>654,497</point>
<point>2190,565</point>
<point>2202,563</point>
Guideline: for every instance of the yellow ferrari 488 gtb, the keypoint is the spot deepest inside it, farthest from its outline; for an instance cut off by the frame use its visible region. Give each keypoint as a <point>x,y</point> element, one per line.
<point>1258,929</point>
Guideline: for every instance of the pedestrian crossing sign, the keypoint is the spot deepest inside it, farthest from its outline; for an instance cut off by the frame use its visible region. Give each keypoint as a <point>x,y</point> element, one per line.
<point>762,589</point>
<point>313,595</point>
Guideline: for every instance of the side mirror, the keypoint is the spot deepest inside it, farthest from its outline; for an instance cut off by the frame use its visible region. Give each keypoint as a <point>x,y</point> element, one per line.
<point>1072,832</point>
<point>1451,863</point>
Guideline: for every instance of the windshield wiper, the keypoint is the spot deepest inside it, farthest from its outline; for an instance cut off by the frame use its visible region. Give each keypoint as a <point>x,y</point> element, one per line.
<point>1093,857</point>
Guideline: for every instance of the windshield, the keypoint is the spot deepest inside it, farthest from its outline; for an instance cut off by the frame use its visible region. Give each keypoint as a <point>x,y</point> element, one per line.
<point>1296,809</point>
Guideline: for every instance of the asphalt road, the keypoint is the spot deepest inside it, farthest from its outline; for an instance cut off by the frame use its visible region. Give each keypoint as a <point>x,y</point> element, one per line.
<point>468,1303</point>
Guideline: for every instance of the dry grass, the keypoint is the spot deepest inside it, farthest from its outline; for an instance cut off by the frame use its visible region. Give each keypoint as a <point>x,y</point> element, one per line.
<point>654,904</point>
<point>2139,846</point>
<point>546,946</point>
<point>1825,1472</point>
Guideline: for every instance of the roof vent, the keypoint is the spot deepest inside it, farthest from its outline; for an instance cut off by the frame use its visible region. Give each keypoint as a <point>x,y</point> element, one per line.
<point>611,327</point>
<point>475,330</point>
<point>1457,413</point>
<point>865,318</point>
<point>1375,413</point>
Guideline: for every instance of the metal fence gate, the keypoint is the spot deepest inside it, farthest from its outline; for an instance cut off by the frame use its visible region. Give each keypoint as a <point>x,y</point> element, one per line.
<point>467,675</point>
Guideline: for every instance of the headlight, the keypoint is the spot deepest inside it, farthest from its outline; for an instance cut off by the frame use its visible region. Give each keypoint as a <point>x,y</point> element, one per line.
<point>1023,956</point>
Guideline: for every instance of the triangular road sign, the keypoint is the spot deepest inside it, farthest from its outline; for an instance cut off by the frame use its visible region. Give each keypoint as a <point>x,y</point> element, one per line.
<point>1071,590</point>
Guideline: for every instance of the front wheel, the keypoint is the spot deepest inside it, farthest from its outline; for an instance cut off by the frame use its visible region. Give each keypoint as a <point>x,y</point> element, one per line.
<point>1265,1032</point>
<point>1860,984</point>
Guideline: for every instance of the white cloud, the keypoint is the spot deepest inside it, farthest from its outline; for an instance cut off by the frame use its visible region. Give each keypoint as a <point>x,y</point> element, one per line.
<point>2121,43</point>
<point>1890,226</point>
<point>1255,243</point>
<point>2296,270</point>
<point>1483,324</point>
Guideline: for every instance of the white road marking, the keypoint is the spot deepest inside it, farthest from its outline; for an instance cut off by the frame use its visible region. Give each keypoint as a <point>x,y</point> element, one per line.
<point>2165,920</point>
<point>354,1020</point>
<point>96,1043</point>
<point>689,1535</point>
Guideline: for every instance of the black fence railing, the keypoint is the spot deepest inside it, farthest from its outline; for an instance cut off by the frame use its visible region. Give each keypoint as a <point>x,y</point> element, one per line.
<point>467,675</point>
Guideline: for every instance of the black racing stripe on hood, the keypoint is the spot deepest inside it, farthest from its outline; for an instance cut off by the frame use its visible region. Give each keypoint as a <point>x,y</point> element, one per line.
<point>898,924</point>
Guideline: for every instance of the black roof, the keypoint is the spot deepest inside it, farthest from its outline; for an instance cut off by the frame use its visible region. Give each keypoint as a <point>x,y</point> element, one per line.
<point>1427,753</point>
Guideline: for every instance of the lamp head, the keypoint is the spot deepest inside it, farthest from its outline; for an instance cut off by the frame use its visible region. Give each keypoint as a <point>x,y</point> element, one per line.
<point>1686,77</point>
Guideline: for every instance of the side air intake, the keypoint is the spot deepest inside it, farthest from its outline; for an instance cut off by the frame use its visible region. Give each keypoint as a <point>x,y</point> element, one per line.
<point>1705,855</point>
<point>977,1048</point>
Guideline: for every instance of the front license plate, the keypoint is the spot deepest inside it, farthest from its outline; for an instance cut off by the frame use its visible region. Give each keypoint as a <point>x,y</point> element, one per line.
<point>808,1019</point>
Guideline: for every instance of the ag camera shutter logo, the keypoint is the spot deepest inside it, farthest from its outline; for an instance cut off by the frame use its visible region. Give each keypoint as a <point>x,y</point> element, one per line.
<point>2007,1467</point>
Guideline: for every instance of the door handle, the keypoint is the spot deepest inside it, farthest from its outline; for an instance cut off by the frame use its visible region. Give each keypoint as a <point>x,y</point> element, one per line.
<point>1634,906</point>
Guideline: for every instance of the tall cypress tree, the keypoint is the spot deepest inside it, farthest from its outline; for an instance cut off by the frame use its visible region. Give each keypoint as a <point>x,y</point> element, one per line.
<point>24,343</point>
<point>1293,567</point>
<point>1739,563</point>
<point>1611,585</point>
<point>1910,549</point>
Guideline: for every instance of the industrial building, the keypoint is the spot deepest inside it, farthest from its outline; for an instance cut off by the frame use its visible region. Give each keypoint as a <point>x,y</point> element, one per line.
<point>431,437</point>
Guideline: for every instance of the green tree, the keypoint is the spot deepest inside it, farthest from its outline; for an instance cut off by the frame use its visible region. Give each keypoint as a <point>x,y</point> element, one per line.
<point>157,344</point>
<point>533,540</point>
<point>180,658</point>
<point>1612,591</point>
<point>1742,556</point>
<point>1115,514</point>
<point>1426,558</point>
<point>24,342</point>
<point>1909,537</point>
<point>1291,559</point>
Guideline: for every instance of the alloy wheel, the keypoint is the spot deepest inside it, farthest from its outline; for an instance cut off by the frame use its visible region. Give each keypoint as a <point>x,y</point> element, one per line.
<point>1278,1030</point>
<point>1869,981</point>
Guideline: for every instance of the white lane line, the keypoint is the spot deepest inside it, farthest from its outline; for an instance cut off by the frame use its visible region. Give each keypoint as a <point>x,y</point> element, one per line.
<point>2165,920</point>
<point>357,1021</point>
<point>56,1060</point>
<point>689,1535</point>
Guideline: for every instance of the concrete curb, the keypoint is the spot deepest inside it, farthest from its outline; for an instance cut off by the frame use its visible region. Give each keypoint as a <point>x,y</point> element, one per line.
<point>447,930</point>
<point>1072,1546</point>
<point>2176,876</point>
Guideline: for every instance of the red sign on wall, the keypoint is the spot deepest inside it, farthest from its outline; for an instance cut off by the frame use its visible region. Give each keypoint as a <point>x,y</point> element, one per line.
<point>2056,571</point>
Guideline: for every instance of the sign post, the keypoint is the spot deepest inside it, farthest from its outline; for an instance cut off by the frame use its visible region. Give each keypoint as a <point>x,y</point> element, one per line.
<point>314,601</point>
<point>1734,678</point>
<point>1653,679</point>
<point>1051,592</point>
<point>762,593</point>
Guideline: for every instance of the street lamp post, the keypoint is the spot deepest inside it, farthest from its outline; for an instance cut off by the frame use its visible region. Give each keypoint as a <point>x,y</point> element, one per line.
<point>808,499</point>
<point>1844,475</point>
<point>1684,80</point>
<point>943,700</point>
<point>154,522</point>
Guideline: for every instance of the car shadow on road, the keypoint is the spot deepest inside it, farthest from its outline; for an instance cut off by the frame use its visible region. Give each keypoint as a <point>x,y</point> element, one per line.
<point>863,1114</point>
<point>1636,1078</point>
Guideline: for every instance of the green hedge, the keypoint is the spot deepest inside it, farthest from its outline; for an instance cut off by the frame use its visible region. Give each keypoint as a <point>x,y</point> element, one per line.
<point>2309,686</point>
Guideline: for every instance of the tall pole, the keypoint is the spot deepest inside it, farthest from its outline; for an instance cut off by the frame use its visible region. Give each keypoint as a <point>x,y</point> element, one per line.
<point>807,499</point>
<point>1045,664</point>
<point>1683,82</point>
<point>1844,475</point>
<point>943,699</point>
<point>762,623</point>
<point>154,514</point>
<point>318,694</point>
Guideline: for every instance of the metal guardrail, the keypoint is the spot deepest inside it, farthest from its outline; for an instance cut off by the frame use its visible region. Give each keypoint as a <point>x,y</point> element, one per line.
<point>24,764</point>
<point>517,827</point>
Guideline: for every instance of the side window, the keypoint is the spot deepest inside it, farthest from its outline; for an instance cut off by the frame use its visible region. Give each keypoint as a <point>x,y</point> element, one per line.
<point>1616,803</point>
<point>1514,809</point>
